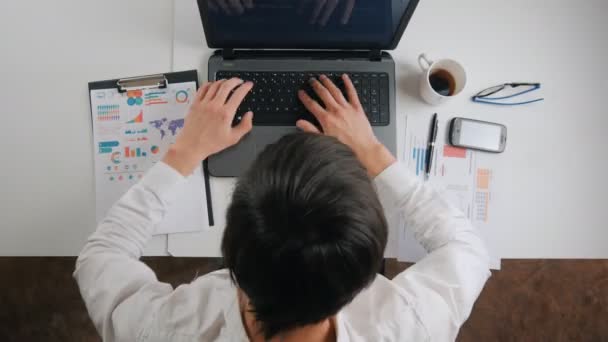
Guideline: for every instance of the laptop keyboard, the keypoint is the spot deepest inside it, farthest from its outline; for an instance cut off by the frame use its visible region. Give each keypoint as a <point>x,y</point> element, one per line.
<point>274,97</point>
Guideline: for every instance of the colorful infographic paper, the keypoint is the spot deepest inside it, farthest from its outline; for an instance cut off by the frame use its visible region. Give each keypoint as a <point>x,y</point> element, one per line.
<point>457,174</point>
<point>132,131</point>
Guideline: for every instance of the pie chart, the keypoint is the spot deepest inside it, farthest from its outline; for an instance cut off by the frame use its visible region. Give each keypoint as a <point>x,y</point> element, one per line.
<point>181,96</point>
<point>115,157</point>
<point>154,149</point>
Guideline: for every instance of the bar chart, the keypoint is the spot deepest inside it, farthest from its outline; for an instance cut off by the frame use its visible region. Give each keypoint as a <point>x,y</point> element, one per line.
<point>134,152</point>
<point>155,98</point>
<point>419,157</point>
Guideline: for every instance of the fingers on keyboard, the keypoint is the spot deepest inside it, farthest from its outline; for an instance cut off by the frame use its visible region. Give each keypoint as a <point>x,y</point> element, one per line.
<point>274,99</point>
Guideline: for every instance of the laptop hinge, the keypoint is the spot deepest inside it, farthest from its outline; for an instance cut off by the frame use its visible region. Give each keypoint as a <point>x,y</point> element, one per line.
<point>228,53</point>
<point>375,55</point>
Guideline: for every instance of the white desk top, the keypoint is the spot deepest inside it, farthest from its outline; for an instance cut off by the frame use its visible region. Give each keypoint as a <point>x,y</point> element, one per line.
<point>549,184</point>
<point>50,51</point>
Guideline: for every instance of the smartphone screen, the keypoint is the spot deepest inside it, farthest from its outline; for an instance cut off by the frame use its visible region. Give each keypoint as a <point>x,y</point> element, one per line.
<point>480,134</point>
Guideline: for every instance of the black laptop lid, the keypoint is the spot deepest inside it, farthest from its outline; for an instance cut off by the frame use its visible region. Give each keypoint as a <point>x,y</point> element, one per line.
<point>305,24</point>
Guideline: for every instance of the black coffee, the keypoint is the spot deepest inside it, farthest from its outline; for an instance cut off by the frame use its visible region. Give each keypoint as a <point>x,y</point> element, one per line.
<point>443,82</point>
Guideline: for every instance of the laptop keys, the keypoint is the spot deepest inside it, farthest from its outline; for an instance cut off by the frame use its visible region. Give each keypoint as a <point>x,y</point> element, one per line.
<point>274,97</point>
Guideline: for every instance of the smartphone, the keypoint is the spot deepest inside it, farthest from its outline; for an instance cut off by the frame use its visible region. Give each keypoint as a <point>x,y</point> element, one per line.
<point>478,135</point>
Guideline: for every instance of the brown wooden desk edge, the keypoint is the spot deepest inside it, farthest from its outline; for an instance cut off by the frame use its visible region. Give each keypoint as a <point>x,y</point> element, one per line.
<point>528,300</point>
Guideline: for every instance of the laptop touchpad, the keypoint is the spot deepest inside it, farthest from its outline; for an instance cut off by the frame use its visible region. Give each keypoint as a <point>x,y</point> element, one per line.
<point>267,135</point>
<point>235,160</point>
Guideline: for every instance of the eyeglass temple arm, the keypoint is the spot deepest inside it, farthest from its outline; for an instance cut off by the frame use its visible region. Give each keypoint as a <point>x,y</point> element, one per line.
<point>510,96</point>
<point>498,88</point>
<point>479,100</point>
<point>486,96</point>
<point>523,84</point>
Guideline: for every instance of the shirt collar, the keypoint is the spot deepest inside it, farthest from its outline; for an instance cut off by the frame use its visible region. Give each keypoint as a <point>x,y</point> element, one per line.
<point>235,331</point>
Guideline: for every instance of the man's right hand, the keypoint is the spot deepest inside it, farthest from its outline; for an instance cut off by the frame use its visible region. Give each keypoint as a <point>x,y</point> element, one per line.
<point>345,120</point>
<point>208,125</point>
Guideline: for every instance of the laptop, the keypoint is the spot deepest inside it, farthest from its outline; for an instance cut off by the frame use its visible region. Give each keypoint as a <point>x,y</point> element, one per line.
<point>281,44</point>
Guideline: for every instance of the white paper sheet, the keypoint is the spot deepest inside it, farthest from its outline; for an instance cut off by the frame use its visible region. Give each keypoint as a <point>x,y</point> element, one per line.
<point>132,131</point>
<point>456,174</point>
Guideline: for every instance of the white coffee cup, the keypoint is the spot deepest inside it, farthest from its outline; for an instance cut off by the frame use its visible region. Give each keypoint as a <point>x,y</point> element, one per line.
<point>449,66</point>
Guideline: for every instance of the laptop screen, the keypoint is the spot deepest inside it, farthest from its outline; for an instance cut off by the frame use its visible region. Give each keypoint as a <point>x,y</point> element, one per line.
<point>305,24</point>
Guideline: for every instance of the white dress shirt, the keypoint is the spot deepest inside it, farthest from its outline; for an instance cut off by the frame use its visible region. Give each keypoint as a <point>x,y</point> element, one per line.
<point>427,302</point>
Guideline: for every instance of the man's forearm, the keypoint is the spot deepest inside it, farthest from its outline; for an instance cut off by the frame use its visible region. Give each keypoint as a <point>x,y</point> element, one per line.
<point>450,278</point>
<point>112,252</point>
<point>430,217</point>
<point>376,158</point>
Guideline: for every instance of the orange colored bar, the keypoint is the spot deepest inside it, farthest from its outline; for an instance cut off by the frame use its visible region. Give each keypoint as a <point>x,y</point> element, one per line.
<point>454,152</point>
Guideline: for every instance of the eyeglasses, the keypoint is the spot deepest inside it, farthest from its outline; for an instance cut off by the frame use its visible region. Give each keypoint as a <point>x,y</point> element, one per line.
<point>484,95</point>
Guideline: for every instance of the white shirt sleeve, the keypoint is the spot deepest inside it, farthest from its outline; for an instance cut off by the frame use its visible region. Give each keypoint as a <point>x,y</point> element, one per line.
<point>119,291</point>
<point>444,285</point>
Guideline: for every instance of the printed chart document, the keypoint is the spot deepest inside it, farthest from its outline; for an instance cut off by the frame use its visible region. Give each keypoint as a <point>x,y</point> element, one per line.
<point>456,174</point>
<point>132,131</point>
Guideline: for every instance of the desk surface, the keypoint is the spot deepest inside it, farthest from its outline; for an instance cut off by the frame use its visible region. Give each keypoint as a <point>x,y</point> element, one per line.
<point>537,309</point>
<point>550,183</point>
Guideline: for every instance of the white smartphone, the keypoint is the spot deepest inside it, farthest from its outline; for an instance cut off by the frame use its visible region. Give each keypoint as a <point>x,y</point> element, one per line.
<point>478,135</point>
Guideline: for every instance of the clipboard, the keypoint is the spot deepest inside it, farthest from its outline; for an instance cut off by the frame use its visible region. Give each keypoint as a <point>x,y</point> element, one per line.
<point>151,82</point>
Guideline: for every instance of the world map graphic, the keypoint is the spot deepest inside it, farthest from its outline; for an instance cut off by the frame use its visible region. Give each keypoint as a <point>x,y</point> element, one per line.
<point>163,125</point>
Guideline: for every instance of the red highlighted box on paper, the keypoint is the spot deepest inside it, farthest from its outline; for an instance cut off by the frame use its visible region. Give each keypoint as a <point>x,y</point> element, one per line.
<point>454,152</point>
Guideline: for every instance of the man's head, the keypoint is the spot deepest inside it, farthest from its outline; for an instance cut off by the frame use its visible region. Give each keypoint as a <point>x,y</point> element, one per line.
<point>305,232</point>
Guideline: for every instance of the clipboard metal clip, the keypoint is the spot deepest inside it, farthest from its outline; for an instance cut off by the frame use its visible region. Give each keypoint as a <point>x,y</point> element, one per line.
<point>143,82</point>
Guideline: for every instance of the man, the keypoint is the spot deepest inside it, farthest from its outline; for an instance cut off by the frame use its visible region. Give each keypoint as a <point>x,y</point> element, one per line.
<point>304,239</point>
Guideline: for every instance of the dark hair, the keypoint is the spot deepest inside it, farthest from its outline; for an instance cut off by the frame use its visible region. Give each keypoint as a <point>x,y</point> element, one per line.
<point>305,232</point>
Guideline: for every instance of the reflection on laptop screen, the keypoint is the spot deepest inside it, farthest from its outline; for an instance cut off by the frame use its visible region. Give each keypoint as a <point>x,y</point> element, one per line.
<point>343,24</point>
